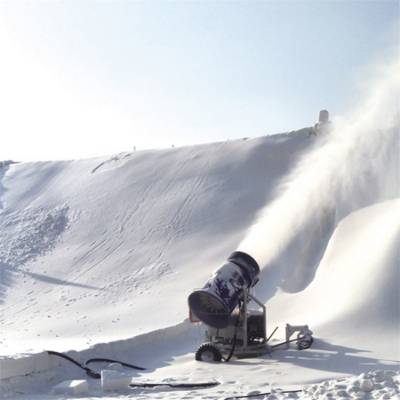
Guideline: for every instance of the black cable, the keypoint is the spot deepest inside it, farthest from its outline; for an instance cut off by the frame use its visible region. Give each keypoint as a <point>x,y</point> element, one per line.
<point>261,394</point>
<point>90,372</point>
<point>234,337</point>
<point>55,353</point>
<point>92,360</point>
<point>174,385</point>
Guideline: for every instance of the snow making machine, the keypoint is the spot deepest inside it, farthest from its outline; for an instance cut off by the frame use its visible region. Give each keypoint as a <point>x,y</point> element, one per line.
<point>234,327</point>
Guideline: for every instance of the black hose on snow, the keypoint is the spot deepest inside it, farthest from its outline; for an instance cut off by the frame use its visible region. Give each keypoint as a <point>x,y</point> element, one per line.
<point>234,338</point>
<point>90,372</point>
<point>261,394</point>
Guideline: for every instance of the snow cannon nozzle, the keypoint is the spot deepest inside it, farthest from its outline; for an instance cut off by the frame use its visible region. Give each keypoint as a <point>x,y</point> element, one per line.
<point>214,303</point>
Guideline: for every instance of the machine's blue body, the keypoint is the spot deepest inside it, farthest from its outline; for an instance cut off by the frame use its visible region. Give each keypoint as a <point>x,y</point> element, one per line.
<point>214,303</point>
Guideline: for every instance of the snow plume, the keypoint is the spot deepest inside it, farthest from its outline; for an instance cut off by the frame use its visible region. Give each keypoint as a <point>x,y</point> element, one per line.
<point>354,165</point>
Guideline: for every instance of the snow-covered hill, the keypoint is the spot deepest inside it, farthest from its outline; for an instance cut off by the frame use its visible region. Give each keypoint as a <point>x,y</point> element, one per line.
<point>105,240</point>
<point>99,256</point>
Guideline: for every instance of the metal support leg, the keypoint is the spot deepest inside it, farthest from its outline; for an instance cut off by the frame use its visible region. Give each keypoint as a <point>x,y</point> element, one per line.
<point>245,341</point>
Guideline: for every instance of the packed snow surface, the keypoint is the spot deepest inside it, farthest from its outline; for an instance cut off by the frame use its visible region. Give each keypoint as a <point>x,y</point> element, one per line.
<point>99,256</point>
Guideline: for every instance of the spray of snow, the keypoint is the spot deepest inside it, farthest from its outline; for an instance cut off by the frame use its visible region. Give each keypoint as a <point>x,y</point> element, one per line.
<point>355,165</point>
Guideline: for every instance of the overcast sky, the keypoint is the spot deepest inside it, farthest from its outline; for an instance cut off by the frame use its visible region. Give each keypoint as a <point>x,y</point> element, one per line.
<point>87,78</point>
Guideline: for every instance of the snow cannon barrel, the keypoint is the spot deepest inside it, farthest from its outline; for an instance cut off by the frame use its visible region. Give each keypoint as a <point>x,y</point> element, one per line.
<point>214,303</point>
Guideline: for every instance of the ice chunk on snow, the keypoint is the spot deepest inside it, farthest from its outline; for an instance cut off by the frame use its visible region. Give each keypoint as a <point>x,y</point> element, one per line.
<point>112,380</point>
<point>74,387</point>
<point>366,385</point>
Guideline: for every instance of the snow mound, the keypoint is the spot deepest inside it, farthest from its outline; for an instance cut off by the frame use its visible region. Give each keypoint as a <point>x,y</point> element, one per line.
<point>359,274</point>
<point>382,385</point>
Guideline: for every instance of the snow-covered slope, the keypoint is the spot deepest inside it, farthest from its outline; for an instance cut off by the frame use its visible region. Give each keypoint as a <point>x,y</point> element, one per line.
<point>104,249</point>
<point>100,255</point>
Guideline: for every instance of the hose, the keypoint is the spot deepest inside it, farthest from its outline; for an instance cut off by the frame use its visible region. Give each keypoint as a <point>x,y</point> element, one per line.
<point>90,372</point>
<point>124,364</point>
<point>261,394</point>
<point>227,359</point>
<point>191,385</point>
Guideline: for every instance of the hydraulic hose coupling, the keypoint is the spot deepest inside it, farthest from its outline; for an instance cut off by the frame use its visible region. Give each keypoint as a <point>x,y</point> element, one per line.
<point>214,303</point>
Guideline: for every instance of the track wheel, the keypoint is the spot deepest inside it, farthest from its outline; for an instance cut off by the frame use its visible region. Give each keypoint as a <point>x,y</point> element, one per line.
<point>304,341</point>
<point>208,352</point>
